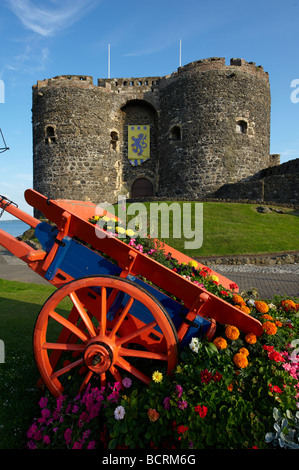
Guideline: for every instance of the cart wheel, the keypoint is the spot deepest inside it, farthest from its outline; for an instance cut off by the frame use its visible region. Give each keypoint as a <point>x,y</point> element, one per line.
<point>100,329</point>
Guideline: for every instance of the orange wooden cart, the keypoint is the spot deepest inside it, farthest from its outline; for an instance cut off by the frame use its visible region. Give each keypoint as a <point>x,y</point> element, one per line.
<point>104,319</point>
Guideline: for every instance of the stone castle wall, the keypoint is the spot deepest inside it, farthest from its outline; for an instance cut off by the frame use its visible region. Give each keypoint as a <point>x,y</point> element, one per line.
<point>209,126</point>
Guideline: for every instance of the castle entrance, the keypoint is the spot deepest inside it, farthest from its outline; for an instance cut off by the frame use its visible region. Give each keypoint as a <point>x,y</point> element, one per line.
<point>142,187</point>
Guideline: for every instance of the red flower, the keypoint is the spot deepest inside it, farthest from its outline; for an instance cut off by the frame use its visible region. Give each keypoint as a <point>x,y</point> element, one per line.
<point>217,377</point>
<point>205,376</point>
<point>233,286</point>
<point>201,410</point>
<point>275,356</point>
<point>223,292</point>
<point>182,429</point>
<point>275,388</point>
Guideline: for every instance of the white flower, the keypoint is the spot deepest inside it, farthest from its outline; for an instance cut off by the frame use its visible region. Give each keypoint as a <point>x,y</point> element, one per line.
<point>194,345</point>
<point>119,412</point>
<point>251,303</point>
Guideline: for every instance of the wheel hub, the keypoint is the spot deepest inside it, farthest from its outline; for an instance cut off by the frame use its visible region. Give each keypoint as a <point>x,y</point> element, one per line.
<point>98,355</point>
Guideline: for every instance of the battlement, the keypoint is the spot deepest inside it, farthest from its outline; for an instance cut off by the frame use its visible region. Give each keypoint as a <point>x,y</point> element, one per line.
<point>218,63</point>
<point>81,81</point>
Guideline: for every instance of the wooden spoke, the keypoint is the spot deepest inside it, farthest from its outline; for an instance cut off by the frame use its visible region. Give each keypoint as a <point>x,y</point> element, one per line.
<point>64,346</point>
<point>67,324</point>
<point>83,314</point>
<point>66,369</point>
<point>144,354</point>
<point>86,380</point>
<point>132,370</point>
<point>138,332</point>
<point>103,317</point>
<point>121,317</point>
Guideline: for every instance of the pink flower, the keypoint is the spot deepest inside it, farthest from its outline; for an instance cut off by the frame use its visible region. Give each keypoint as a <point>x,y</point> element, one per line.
<point>182,405</point>
<point>179,390</point>
<point>47,440</point>
<point>67,436</point>
<point>166,403</point>
<point>43,402</point>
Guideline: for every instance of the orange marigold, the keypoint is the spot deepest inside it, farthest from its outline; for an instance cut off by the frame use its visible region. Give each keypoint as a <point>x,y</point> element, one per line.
<point>270,328</point>
<point>245,309</point>
<point>220,343</point>
<point>261,306</point>
<point>230,387</point>
<point>288,304</point>
<point>232,332</point>
<point>250,338</point>
<point>237,299</point>
<point>267,317</point>
<point>240,360</point>
<point>244,351</point>
<point>278,323</point>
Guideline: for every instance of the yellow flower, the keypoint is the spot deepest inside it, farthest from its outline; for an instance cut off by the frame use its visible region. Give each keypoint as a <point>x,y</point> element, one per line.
<point>120,230</point>
<point>250,338</point>
<point>192,264</point>
<point>179,370</point>
<point>106,218</point>
<point>214,278</point>
<point>240,360</point>
<point>157,376</point>
<point>96,217</point>
<point>220,343</point>
<point>232,332</point>
<point>269,328</point>
<point>130,232</point>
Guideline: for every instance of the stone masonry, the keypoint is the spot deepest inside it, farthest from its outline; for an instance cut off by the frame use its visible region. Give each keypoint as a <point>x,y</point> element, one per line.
<point>209,126</point>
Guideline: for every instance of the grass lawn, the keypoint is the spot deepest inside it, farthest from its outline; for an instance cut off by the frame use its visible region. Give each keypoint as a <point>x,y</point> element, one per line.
<point>232,228</point>
<point>19,306</point>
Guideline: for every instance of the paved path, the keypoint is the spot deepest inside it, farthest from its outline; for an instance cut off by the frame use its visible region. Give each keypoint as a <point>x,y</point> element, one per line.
<point>268,280</point>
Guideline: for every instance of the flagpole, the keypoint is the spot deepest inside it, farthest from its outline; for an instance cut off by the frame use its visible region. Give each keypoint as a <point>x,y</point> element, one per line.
<point>108,60</point>
<point>180,52</point>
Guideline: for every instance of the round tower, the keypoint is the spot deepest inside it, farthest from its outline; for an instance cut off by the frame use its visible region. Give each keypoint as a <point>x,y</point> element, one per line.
<point>215,126</point>
<point>71,151</point>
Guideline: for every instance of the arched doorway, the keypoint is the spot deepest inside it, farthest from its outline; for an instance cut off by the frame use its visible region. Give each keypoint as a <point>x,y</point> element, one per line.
<point>142,187</point>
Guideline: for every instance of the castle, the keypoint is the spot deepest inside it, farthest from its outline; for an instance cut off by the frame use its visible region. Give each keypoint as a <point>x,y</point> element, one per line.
<point>204,126</point>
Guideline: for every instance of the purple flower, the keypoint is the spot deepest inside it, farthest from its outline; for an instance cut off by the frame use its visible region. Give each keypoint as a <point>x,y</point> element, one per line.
<point>127,382</point>
<point>166,403</point>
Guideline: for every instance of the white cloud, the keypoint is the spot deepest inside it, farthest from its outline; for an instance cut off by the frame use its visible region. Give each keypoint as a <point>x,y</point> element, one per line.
<point>52,16</point>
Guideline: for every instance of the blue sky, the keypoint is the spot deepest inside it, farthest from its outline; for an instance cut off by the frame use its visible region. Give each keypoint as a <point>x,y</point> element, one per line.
<point>45,38</point>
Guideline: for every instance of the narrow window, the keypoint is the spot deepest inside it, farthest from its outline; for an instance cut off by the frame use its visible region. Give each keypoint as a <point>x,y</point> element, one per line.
<point>50,135</point>
<point>114,139</point>
<point>241,127</point>
<point>175,133</point>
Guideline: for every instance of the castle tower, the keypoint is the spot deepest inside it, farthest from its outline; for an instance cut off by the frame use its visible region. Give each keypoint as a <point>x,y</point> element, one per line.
<point>215,126</point>
<point>208,124</point>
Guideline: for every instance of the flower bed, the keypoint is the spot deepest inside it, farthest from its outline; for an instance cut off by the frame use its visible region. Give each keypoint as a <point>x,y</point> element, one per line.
<point>229,393</point>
